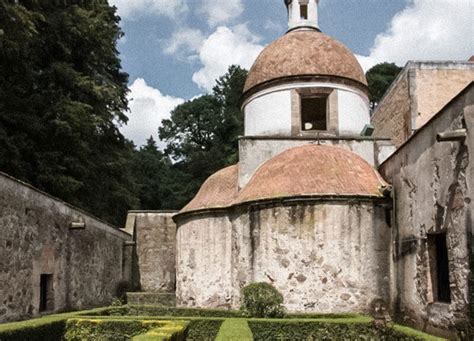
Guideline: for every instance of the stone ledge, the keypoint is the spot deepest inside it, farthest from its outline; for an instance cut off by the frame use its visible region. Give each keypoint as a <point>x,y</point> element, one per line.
<point>166,299</point>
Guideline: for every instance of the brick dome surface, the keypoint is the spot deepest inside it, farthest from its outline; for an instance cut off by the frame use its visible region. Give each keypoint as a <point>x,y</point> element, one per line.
<point>218,191</point>
<point>304,53</point>
<point>313,170</point>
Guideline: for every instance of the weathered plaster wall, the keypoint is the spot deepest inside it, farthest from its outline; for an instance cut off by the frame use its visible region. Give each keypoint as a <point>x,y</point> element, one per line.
<point>155,237</point>
<point>433,183</point>
<point>86,265</point>
<point>203,263</point>
<point>323,257</point>
<point>253,152</point>
<point>269,114</point>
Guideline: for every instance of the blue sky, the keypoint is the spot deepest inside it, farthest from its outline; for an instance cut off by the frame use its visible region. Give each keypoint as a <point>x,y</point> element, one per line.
<point>174,49</point>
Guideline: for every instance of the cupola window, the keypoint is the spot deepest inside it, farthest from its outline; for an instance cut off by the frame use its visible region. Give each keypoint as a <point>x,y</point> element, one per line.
<point>304,12</point>
<point>314,113</point>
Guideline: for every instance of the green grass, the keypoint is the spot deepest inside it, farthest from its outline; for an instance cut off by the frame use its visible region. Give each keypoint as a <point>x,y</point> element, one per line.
<point>415,333</point>
<point>235,329</point>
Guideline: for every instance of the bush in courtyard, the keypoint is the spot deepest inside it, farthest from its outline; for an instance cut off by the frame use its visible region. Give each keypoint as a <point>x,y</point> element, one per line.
<point>121,291</point>
<point>262,300</point>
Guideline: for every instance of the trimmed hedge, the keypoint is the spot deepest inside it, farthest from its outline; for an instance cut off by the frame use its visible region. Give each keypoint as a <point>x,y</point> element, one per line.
<point>203,329</point>
<point>47,328</point>
<point>168,311</point>
<point>96,329</point>
<point>338,329</point>
<point>171,331</point>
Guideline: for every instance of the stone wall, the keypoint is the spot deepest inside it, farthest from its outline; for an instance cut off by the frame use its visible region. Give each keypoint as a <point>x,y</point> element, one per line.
<point>420,91</point>
<point>155,236</point>
<point>392,118</point>
<point>434,189</point>
<point>323,256</point>
<point>84,265</point>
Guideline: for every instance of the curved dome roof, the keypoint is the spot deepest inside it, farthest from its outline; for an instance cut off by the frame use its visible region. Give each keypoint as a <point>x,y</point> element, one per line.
<point>218,191</point>
<point>304,53</point>
<point>313,170</point>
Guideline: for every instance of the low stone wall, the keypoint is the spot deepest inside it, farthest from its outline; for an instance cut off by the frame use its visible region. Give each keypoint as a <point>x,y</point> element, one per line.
<point>434,190</point>
<point>323,256</point>
<point>43,257</point>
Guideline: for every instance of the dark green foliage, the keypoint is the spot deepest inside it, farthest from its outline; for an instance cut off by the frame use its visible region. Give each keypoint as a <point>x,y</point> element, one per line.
<point>62,93</point>
<point>262,300</point>
<point>311,330</point>
<point>156,181</point>
<point>51,329</point>
<point>379,78</point>
<point>203,330</point>
<point>202,136</point>
<point>121,291</point>
<point>167,311</point>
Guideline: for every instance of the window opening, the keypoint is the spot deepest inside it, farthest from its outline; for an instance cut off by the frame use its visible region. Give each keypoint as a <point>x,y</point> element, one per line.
<point>439,267</point>
<point>313,113</point>
<point>46,293</point>
<point>304,12</point>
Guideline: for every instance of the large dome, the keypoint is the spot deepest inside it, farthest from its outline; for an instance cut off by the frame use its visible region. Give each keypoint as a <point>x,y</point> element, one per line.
<point>302,53</point>
<point>313,170</point>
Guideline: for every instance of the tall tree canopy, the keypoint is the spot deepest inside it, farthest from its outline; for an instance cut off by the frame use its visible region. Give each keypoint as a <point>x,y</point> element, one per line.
<point>380,77</point>
<point>62,94</point>
<point>202,134</point>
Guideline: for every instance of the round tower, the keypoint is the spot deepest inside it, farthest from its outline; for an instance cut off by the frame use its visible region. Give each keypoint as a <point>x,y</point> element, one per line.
<point>302,13</point>
<point>305,83</point>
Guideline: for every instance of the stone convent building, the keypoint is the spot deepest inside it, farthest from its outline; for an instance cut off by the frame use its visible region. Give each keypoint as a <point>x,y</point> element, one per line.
<point>339,208</point>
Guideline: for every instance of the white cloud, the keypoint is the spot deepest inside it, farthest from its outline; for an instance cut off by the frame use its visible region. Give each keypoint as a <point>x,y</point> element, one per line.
<point>170,8</point>
<point>222,11</point>
<point>184,40</point>
<point>148,107</point>
<point>426,30</point>
<point>224,47</point>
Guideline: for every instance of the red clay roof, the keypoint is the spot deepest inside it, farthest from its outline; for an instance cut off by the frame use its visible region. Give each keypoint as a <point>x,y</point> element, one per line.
<point>304,52</point>
<point>313,170</point>
<point>218,191</point>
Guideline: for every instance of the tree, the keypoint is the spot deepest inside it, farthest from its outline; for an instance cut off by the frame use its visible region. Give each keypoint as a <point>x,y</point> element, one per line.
<point>62,94</point>
<point>380,77</point>
<point>202,134</point>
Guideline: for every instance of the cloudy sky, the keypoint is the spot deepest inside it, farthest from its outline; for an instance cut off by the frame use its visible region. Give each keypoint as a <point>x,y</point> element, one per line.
<point>173,50</point>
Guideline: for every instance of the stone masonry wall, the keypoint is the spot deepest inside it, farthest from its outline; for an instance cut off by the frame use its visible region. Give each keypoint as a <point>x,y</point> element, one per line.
<point>155,237</point>
<point>436,87</point>
<point>324,257</point>
<point>393,114</point>
<point>85,264</point>
<point>434,189</point>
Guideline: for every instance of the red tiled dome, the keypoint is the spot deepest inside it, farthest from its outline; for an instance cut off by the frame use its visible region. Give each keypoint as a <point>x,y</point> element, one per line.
<point>313,170</point>
<point>218,191</point>
<point>304,53</point>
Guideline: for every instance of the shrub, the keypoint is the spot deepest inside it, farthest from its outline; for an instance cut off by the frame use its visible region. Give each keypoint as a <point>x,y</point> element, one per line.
<point>121,291</point>
<point>262,300</point>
